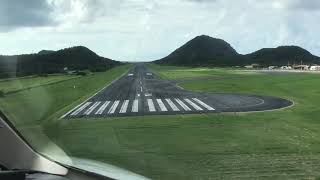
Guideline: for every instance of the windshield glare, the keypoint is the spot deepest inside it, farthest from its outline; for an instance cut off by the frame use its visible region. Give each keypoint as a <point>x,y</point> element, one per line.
<point>183,89</point>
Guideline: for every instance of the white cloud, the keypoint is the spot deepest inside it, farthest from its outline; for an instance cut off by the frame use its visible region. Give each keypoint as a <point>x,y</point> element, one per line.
<point>146,30</point>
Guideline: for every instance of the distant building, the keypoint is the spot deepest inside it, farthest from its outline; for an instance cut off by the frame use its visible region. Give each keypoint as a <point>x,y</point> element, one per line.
<point>315,68</point>
<point>286,67</point>
<point>301,67</point>
<point>252,66</point>
<point>272,67</point>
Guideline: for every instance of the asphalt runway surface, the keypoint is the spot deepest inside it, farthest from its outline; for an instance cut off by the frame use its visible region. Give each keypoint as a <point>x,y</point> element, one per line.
<point>141,92</point>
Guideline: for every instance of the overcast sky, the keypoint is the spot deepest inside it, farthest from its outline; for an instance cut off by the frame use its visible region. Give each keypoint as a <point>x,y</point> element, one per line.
<point>150,29</point>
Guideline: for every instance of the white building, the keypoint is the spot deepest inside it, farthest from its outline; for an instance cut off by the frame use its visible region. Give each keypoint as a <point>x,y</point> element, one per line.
<point>315,68</point>
<point>286,67</point>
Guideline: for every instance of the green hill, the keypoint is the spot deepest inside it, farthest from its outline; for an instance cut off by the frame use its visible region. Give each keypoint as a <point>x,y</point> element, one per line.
<point>282,55</point>
<point>202,51</point>
<point>207,51</point>
<point>46,62</point>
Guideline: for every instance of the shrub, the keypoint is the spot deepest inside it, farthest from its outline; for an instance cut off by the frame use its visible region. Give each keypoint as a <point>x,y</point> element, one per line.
<point>81,73</point>
<point>1,93</point>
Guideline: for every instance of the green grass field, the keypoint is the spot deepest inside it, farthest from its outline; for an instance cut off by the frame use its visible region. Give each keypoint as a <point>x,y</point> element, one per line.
<point>281,144</point>
<point>31,109</point>
<point>31,82</point>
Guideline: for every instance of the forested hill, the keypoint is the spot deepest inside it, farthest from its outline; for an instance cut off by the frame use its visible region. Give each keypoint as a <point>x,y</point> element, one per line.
<point>201,51</point>
<point>282,55</point>
<point>207,51</point>
<point>45,62</point>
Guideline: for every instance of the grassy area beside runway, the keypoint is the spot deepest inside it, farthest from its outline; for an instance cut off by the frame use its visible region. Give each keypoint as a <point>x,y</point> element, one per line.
<point>13,85</point>
<point>30,109</point>
<point>282,144</point>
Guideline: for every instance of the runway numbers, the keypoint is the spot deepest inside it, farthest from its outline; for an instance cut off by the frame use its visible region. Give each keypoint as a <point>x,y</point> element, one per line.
<point>165,105</point>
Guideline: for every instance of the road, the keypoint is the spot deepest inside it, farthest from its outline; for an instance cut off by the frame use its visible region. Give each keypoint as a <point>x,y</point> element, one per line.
<point>141,92</point>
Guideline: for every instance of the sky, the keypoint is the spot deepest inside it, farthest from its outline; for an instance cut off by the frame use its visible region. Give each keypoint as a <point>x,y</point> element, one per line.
<point>143,30</point>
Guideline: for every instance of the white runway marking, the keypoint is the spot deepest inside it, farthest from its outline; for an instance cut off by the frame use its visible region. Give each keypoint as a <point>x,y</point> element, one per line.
<point>183,105</point>
<point>204,104</point>
<point>162,106</point>
<point>81,108</point>
<point>96,104</point>
<point>103,107</point>
<point>193,104</point>
<point>147,94</point>
<point>124,106</point>
<point>113,107</point>
<point>135,106</point>
<point>71,110</point>
<point>151,105</point>
<point>172,105</point>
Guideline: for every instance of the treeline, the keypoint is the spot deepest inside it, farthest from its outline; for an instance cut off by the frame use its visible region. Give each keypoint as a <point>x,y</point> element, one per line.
<point>69,59</point>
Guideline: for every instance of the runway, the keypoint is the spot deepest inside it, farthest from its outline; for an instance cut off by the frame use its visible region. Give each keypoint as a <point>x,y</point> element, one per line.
<point>141,92</point>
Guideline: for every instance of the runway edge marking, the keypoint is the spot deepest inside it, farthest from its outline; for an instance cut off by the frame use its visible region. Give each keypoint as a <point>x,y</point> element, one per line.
<point>96,93</point>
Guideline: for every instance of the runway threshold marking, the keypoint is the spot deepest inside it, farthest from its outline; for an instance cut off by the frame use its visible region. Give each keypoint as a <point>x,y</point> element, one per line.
<point>172,105</point>
<point>71,110</point>
<point>193,104</point>
<point>135,106</point>
<point>124,106</point>
<point>204,104</point>
<point>81,108</point>
<point>183,105</point>
<point>113,107</point>
<point>151,105</point>
<point>162,106</point>
<point>96,104</point>
<point>103,107</point>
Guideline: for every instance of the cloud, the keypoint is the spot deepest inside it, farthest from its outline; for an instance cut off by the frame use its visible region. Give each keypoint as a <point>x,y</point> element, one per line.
<point>150,29</point>
<point>294,5</point>
<point>30,13</point>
